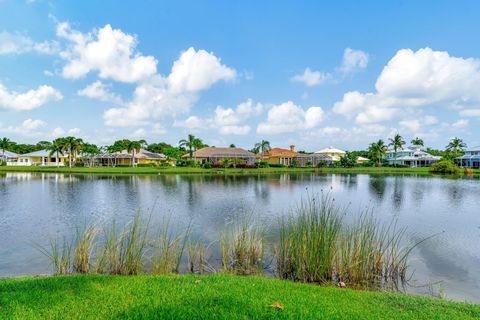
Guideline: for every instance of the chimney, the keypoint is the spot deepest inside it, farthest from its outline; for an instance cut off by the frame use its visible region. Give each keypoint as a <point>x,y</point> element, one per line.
<point>292,148</point>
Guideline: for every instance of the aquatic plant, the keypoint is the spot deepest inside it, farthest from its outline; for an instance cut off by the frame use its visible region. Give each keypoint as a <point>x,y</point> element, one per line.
<point>317,245</point>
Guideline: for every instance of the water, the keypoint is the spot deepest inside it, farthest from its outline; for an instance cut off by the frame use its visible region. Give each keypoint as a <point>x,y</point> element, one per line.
<point>37,207</point>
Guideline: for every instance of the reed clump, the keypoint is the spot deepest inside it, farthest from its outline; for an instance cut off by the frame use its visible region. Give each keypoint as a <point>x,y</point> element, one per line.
<point>317,245</point>
<point>242,246</point>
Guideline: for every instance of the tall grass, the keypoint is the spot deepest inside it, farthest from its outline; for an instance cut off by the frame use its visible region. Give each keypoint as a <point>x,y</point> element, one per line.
<point>84,246</point>
<point>317,245</point>
<point>59,254</point>
<point>242,246</point>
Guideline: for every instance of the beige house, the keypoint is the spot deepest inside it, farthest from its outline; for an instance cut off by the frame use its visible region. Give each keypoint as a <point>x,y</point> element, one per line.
<point>142,157</point>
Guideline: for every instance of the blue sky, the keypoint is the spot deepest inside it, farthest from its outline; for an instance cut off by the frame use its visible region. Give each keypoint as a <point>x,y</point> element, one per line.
<point>341,73</point>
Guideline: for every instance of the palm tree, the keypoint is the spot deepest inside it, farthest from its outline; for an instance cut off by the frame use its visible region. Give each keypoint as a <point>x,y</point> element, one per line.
<point>71,145</point>
<point>132,147</point>
<point>456,145</point>
<point>4,144</point>
<point>417,142</point>
<point>377,151</point>
<point>57,148</point>
<point>190,143</point>
<point>397,142</point>
<point>262,146</point>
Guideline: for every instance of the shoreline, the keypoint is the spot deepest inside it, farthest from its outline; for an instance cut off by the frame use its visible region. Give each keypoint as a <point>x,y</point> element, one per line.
<point>229,171</point>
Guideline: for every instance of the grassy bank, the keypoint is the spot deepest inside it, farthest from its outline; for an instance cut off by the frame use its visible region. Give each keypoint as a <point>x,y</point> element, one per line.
<point>217,296</point>
<point>188,170</point>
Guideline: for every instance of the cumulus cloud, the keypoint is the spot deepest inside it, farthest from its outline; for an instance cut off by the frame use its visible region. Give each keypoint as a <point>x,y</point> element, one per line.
<point>412,80</point>
<point>160,96</point>
<point>311,78</point>
<point>191,123</point>
<point>17,44</point>
<point>100,91</point>
<point>27,100</point>
<point>288,117</point>
<point>110,52</point>
<point>353,60</point>
<point>28,127</point>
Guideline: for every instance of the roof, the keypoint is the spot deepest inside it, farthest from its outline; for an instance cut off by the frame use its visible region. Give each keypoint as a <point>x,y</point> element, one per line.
<point>362,159</point>
<point>8,154</point>
<point>473,149</point>
<point>141,154</point>
<point>330,150</point>
<point>39,153</point>
<point>279,152</point>
<point>222,153</point>
<point>326,157</point>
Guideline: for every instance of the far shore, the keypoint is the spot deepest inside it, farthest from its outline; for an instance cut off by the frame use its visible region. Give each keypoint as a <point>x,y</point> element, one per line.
<point>219,171</point>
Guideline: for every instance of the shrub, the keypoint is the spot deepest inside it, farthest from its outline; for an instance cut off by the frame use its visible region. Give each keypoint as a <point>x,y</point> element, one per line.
<point>263,164</point>
<point>277,165</point>
<point>322,164</point>
<point>217,166</point>
<point>207,165</point>
<point>186,163</point>
<point>3,162</point>
<point>468,171</point>
<point>445,166</point>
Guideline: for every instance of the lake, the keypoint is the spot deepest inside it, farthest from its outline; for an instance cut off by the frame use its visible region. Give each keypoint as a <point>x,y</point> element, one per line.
<point>37,207</point>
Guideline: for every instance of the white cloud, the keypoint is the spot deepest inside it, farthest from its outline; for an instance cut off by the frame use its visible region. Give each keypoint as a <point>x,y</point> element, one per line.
<point>192,123</point>
<point>234,130</point>
<point>413,80</point>
<point>18,44</point>
<point>197,70</point>
<point>110,52</point>
<point>470,112</point>
<point>27,100</point>
<point>159,96</point>
<point>29,127</point>
<point>311,78</point>
<point>461,123</point>
<point>100,91</point>
<point>353,60</point>
<point>416,125</point>
<point>288,117</point>
<point>139,133</point>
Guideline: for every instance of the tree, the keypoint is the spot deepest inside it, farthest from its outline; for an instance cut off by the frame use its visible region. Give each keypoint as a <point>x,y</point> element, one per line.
<point>90,151</point>
<point>56,147</point>
<point>397,142</point>
<point>377,151</point>
<point>348,160</point>
<point>262,146</point>
<point>232,145</point>
<point>190,143</point>
<point>5,143</point>
<point>72,146</point>
<point>417,142</point>
<point>456,145</point>
<point>134,146</point>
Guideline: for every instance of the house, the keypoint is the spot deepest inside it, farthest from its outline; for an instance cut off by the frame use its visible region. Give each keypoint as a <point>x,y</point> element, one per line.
<point>38,158</point>
<point>122,158</point>
<point>334,153</point>
<point>313,159</point>
<point>216,155</point>
<point>412,157</point>
<point>8,156</point>
<point>279,156</point>
<point>471,158</point>
<point>361,160</point>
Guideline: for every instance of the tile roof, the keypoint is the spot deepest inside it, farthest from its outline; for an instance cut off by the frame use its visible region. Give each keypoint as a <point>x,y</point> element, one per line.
<point>221,152</point>
<point>279,152</point>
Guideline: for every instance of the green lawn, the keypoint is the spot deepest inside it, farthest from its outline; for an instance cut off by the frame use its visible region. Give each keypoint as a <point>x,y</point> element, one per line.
<point>187,170</point>
<point>217,296</point>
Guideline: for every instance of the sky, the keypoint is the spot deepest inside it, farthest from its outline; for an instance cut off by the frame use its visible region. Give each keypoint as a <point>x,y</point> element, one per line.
<point>309,73</point>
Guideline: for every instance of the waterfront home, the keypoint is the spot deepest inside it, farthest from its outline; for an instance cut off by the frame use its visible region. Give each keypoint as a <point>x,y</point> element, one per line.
<point>313,159</point>
<point>361,160</point>
<point>8,156</point>
<point>216,155</point>
<point>411,157</point>
<point>38,158</point>
<point>279,156</point>
<point>334,153</point>
<point>471,158</point>
<point>125,158</point>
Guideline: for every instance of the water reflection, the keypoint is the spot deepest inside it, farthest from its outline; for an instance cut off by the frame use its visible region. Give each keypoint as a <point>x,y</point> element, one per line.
<point>34,207</point>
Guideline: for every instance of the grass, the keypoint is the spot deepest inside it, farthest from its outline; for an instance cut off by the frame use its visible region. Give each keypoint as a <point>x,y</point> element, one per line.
<point>316,245</point>
<point>188,170</point>
<point>217,296</point>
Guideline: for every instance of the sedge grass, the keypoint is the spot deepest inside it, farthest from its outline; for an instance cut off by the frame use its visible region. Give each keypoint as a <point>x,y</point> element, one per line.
<point>317,245</point>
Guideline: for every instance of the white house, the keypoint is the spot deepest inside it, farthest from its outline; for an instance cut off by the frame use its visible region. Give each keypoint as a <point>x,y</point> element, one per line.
<point>412,157</point>
<point>39,158</point>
